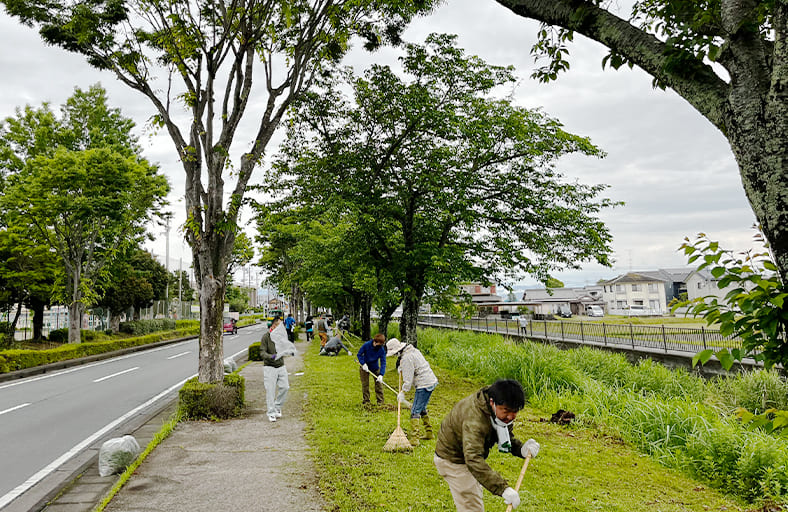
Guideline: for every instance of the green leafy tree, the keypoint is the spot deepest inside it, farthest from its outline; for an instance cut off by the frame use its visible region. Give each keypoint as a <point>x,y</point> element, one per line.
<point>728,59</point>
<point>237,298</point>
<point>55,182</point>
<point>445,182</point>
<point>209,55</point>
<point>755,309</point>
<point>85,205</point>
<point>27,276</point>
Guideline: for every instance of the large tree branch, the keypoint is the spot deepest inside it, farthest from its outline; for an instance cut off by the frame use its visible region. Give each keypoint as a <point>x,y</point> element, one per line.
<point>695,81</point>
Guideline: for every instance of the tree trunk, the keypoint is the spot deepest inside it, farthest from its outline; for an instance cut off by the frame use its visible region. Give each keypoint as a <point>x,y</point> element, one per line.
<point>211,366</point>
<point>114,322</point>
<point>410,315</point>
<point>38,318</point>
<point>75,322</point>
<point>366,314</point>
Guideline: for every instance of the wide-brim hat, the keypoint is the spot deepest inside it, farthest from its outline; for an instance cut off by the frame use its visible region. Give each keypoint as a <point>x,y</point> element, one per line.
<point>394,346</point>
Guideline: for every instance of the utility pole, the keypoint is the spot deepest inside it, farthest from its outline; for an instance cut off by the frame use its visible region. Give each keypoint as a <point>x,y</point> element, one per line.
<point>167,267</point>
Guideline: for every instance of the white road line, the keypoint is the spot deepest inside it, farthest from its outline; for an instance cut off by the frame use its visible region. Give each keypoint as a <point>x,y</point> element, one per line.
<point>33,480</point>
<point>14,408</point>
<point>179,355</point>
<point>116,374</point>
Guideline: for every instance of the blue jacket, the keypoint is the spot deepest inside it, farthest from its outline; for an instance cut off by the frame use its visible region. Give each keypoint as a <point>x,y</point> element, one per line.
<point>289,323</point>
<point>373,357</point>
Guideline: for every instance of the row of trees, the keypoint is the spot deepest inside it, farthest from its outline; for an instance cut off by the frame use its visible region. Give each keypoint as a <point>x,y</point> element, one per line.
<point>76,195</point>
<point>408,187</point>
<point>202,55</point>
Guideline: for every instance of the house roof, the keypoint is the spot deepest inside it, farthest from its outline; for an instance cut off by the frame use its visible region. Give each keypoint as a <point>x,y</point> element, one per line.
<point>559,295</point>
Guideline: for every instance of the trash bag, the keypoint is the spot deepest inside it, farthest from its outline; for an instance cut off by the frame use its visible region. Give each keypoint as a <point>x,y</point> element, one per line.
<point>230,365</point>
<point>284,347</point>
<point>117,454</point>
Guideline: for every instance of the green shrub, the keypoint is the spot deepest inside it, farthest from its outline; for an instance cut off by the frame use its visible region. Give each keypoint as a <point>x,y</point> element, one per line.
<point>212,401</point>
<point>254,352</point>
<point>59,335</point>
<point>141,327</point>
<point>755,391</point>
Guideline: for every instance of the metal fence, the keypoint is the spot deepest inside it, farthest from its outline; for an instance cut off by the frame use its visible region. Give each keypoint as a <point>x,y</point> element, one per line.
<point>636,337</point>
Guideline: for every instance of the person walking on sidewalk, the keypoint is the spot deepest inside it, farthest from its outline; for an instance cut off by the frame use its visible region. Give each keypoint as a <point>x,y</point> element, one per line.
<point>372,358</point>
<point>416,373</point>
<point>274,374</point>
<point>290,326</point>
<point>473,426</point>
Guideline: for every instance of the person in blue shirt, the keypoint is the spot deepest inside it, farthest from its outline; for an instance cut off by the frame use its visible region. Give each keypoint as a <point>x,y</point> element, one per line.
<point>289,324</point>
<point>372,358</point>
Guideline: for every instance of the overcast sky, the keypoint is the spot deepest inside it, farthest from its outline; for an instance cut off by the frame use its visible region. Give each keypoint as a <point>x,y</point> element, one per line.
<point>671,167</point>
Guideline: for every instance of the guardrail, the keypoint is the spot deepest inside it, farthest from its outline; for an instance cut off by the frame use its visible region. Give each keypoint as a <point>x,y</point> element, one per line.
<point>636,337</point>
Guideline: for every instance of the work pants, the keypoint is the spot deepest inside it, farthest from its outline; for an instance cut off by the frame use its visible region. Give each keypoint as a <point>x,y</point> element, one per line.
<point>276,387</point>
<point>365,386</point>
<point>465,489</point>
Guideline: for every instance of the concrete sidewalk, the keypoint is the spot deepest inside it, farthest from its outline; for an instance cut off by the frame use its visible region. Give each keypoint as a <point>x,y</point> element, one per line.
<point>247,463</point>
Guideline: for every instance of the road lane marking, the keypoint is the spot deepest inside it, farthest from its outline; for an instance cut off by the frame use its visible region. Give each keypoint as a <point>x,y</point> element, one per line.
<point>179,355</point>
<point>116,374</point>
<point>14,408</point>
<point>52,467</point>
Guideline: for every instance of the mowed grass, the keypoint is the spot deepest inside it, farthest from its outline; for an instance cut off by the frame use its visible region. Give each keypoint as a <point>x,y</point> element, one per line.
<point>578,468</point>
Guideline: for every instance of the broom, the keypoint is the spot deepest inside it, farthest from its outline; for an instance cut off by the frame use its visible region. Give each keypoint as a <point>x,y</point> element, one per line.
<point>398,441</point>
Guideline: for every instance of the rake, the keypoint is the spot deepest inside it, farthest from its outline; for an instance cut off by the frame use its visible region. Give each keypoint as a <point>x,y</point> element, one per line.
<point>398,440</point>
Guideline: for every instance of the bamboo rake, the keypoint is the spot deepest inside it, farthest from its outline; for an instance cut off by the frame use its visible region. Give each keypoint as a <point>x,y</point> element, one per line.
<point>398,440</point>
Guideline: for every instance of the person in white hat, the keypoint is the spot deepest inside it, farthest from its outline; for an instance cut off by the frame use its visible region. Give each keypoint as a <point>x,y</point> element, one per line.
<point>416,374</point>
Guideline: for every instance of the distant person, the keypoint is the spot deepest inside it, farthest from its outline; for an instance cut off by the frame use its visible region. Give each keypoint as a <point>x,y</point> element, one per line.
<point>309,325</point>
<point>416,374</point>
<point>274,374</point>
<point>323,330</point>
<point>333,347</point>
<point>344,324</point>
<point>372,358</point>
<point>523,321</point>
<point>290,326</point>
<point>473,426</point>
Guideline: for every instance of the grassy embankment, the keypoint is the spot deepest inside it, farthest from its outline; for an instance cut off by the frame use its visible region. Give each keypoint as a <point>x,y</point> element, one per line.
<point>592,465</point>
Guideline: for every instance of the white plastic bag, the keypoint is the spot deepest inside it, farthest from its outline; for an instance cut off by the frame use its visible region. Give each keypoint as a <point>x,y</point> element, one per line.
<point>284,347</point>
<point>230,365</point>
<point>117,454</point>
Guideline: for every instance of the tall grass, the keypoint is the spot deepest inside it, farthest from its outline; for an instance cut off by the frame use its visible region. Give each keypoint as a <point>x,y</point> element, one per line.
<point>674,416</point>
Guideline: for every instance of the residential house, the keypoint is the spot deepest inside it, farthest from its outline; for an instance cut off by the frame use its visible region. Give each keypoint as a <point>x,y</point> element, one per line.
<point>549,302</point>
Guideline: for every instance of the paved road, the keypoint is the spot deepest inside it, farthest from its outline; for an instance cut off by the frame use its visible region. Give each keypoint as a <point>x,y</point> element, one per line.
<point>49,419</point>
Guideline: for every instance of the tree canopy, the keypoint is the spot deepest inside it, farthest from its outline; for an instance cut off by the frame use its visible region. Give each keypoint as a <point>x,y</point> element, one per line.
<point>445,182</point>
<point>204,65</point>
<point>727,58</point>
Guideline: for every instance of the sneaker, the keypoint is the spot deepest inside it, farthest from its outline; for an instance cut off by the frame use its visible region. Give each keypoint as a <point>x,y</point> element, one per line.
<point>277,414</point>
<point>271,418</point>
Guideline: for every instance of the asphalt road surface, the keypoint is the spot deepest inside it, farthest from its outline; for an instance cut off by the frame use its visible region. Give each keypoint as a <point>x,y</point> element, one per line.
<point>48,419</point>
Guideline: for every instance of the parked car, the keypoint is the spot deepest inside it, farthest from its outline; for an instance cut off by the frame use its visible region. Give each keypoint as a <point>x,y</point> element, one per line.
<point>229,325</point>
<point>595,311</point>
<point>565,312</point>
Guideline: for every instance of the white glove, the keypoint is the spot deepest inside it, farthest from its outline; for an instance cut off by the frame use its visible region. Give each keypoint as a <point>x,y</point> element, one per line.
<point>365,367</point>
<point>380,378</point>
<point>401,397</point>
<point>530,447</point>
<point>511,497</point>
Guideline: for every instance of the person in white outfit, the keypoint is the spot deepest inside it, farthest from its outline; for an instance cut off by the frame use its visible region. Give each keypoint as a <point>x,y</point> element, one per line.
<point>274,374</point>
<point>416,374</point>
